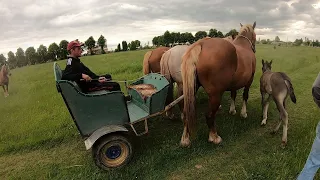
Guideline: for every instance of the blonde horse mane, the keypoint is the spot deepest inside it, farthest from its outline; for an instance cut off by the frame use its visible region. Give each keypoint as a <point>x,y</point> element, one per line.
<point>146,69</point>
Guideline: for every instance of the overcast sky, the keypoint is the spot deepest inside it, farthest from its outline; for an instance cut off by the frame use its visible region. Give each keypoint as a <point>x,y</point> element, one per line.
<point>27,23</point>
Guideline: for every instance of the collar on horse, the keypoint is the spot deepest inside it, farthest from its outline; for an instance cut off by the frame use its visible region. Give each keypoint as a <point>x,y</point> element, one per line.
<point>252,47</point>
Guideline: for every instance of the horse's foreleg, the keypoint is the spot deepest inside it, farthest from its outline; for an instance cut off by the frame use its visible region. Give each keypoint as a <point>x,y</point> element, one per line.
<point>245,99</point>
<point>265,106</point>
<point>232,105</point>
<point>5,88</point>
<point>214,103</point>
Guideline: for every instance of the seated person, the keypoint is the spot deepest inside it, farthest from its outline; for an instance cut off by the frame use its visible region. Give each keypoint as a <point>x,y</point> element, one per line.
<point>76,71</point>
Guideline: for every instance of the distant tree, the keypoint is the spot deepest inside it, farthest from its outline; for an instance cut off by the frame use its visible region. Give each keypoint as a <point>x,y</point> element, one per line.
<point>31,55</point>
<point>53,51</point>
<point>155,41</point>
<point>2,59</point>
<point>133,46</point>
<point>102,42</point>
<point>12,60</point>
<point>277,39</point>
<point>138,43</point>
<point>124,46</point>
<point>220,34</point>
<point>200,35</point>
<point>119,48</point>
<point>90,43</point>
<point>63,53</point>
<point>213,33</point>
<point>43,54</point>
<point>232,33</point>
<point>298,42</point>
<point>21,58</point>
<point>167,38</point>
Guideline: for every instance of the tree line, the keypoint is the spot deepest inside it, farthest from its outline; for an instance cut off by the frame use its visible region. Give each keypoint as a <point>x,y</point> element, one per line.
<point>54,52</point>
<point>172,38</point>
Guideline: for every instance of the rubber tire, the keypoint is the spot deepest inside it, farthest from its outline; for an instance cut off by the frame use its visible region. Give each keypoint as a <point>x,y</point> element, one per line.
<point>112,138</point>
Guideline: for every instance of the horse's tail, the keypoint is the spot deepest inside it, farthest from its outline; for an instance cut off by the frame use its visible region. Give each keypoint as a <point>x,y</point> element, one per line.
<point>164,68</point>
<point>188,72</point>
<point>289,86</point>
<point>146,68</point>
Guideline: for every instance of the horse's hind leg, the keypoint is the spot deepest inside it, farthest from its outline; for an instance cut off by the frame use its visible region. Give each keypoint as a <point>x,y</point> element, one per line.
<point>214,103</point>
<point>180,104</point>
<point>232,105</point>
<point>283,118</point>
<point>170,113</point>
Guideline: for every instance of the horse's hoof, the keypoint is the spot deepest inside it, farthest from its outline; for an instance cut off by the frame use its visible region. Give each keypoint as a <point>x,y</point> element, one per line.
<point>283,144</point>
<point>233,112</point>
<point>185,143</point>
<point>244,115</point>
<point>263,122</point>
<point>170,115</point>
<point>215,140</point>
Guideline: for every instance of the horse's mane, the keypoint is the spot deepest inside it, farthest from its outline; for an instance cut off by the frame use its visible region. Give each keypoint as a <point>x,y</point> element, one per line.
<point>247,28</point>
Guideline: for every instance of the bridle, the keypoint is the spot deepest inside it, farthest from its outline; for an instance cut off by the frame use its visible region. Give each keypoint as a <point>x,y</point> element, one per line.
<point>252,47</point>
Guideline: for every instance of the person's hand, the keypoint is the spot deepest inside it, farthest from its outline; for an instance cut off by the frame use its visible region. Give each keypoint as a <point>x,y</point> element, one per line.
<point>102,79</point>
<point>86,77</point>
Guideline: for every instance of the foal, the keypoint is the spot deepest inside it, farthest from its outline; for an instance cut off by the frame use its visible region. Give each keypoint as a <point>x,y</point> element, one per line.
<point>278,86</point>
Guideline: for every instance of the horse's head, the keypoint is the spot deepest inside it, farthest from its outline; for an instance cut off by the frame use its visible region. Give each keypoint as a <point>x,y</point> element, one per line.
<point>266,66</point>
<point>5,70</point>
<point>247,31</point>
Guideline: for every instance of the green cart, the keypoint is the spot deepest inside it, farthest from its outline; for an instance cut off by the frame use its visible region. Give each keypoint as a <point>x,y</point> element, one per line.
<point>102,116</point>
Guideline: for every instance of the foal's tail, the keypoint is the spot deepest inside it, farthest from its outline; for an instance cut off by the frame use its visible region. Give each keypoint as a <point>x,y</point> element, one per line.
<point>289,86</point>
<point>188,72</point>
<point>146,68</point>
<point>164,68</point>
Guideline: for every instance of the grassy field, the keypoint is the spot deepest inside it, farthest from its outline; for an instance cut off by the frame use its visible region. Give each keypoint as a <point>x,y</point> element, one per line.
<point>40,141</point>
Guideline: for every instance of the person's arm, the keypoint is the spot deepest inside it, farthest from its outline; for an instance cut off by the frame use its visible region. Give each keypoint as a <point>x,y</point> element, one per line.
<point>71,72</point>
<point>90,73</point>
<point>316,90</point>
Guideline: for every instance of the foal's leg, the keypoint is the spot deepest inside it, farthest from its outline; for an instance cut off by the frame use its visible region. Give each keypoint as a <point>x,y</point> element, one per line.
<point>232,105</point>
<point>214,102</point>
<point>283,117</point>
<point>265,106</point>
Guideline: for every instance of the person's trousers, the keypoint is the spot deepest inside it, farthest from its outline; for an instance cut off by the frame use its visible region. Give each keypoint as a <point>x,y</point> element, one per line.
<point>96,85</point>
<point>313,162</point>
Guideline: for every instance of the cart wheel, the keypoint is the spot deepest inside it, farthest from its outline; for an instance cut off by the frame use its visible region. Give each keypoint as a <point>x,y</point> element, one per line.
<point>113,151</point>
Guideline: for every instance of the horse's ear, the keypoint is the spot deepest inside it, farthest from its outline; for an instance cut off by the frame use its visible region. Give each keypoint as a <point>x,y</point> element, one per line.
<point>270,62</point>
<point>241,25</point>
<point>254,25</point>
<point>262,61</point>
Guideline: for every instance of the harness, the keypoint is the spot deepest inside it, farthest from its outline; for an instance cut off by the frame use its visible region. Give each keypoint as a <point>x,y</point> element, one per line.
<point>252,47</point>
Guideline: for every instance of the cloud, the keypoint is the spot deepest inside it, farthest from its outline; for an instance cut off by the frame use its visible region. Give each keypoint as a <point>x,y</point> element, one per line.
<point>33,22</point>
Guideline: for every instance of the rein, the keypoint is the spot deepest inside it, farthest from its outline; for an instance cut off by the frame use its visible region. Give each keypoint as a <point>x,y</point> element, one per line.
<point>252,47</point>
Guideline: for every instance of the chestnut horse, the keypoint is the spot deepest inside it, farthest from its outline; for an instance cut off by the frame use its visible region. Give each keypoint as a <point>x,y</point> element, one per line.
<point>4,78</point>
<point>151,61</point>
<point>216,65</point>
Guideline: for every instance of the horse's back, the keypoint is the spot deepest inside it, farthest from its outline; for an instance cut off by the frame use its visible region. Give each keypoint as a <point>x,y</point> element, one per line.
<point>217,63</point>
<point>174,62</point>
<point>154,60</point>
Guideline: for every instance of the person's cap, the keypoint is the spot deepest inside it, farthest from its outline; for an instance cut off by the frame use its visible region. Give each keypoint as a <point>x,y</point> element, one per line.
<point>73,44</point>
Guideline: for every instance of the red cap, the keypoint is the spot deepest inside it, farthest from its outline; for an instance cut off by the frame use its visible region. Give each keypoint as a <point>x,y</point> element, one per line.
<point>73,44</point>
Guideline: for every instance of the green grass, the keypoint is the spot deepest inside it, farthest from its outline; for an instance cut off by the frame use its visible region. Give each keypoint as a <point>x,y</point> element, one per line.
<point>40,141</point>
